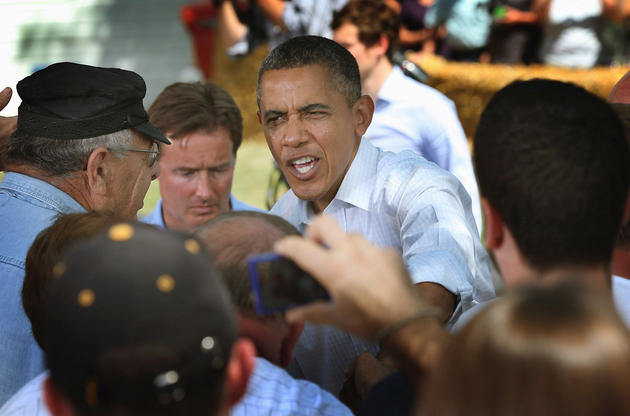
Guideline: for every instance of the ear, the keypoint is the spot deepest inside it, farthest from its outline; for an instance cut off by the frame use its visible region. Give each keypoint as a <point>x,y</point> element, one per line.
<point>259,117</point>
<point>97,171</point>
<point>363,110</point>
<point>239,370</point>
<point>382,45</point>
<point>494,233</point>
<point>289,341</point>
<point>56,402</point>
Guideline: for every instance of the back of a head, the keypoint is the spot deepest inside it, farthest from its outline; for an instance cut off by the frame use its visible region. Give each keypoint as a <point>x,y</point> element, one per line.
<point>301,51</point>
<point>552,159</point>
<point>184,108</point>
<point>45,252</point>
<point>138,322</point>
<point>373,18</point>
<point>537,351</point>
<point>231,238</point>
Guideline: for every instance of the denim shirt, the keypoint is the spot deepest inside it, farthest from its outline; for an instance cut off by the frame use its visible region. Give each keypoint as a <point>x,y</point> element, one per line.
<point>27,206</point>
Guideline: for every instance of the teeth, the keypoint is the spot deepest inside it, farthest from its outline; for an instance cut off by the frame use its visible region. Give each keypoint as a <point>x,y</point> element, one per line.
<point>303,160</point>
<point>303,169</point>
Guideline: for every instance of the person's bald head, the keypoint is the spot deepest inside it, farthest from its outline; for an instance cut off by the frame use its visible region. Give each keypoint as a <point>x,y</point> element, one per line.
<point>232,237</point>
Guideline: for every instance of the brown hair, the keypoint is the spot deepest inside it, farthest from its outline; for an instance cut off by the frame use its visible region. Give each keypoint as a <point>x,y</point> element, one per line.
<point>538,351</point>
<point>45,252</point>
<point>373,18</point>
<point>232,237</point>
<point>183,108</point>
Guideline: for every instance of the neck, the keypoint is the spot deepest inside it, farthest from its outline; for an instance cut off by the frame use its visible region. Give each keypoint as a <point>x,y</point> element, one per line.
<point>621,262</point>
<point>598,276</point>
<point>73,184</point>
<point>372,82</point>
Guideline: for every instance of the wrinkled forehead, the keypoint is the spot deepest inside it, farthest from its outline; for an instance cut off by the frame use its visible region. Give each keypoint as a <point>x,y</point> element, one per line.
<point>301,85</point>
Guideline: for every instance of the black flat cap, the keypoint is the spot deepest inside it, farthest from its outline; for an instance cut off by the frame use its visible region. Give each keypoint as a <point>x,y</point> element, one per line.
<point>69,101</point>
<point>137,317</point>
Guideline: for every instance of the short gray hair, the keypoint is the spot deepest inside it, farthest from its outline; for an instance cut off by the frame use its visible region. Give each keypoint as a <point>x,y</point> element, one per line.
<point>58,157</point>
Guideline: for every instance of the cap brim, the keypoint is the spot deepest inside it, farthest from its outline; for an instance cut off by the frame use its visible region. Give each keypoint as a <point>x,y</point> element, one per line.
<point>151,131</point>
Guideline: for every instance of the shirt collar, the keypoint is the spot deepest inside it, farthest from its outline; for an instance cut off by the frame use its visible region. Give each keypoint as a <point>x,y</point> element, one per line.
<point>360,180</point>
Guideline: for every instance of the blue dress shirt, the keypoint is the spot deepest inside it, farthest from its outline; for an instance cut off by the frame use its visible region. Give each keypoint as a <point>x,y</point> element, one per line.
<point>27,206</point>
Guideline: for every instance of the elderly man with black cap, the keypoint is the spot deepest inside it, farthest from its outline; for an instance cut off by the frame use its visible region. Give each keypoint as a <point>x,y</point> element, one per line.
<point>83,142</point>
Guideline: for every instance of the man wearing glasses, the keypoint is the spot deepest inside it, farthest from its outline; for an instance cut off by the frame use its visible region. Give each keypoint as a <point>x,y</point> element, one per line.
<point>83,142</point>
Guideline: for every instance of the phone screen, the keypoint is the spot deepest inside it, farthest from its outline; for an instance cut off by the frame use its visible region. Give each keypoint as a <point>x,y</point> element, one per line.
<point>278,284</point>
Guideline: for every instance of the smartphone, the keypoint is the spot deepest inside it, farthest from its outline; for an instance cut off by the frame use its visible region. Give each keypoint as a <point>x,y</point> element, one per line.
<point>279,284</point>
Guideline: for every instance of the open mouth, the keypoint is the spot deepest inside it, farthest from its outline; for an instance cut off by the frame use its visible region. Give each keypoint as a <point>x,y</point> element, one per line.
<point>304,164</point>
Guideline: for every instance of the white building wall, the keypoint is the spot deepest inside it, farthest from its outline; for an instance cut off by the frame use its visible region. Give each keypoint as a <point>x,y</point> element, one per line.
<point>145,36</point>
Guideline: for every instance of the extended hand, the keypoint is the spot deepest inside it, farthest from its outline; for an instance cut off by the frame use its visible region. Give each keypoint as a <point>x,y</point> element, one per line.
<point>369,286</point>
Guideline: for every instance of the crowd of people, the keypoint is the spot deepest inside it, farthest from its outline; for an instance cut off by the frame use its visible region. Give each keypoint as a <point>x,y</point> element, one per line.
<point>565,33</point>
<point>106,314</point>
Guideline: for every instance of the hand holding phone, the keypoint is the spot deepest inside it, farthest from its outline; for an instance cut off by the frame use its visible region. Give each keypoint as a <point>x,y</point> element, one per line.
<point>279,284</point>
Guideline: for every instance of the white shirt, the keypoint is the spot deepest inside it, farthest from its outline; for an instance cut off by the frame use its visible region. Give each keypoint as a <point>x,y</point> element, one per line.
<point>29,400</point>
<point>621,295</point>
<point>411,116</point>
<point>405,202</point>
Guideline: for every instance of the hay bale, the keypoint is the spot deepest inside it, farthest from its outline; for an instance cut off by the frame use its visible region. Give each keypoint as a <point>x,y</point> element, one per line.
<point>471,85</point>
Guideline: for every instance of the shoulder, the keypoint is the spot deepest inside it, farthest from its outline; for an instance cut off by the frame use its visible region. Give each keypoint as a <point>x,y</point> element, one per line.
<point>238,205</point>
<point>28,400</point>
<point>155,216</point>
<point>405,166</point>
<point>271,387</point>
<point>286,205</point>
<point>406,178</point>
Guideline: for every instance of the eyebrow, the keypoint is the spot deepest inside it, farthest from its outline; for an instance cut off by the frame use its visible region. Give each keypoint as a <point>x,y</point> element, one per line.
<point>311,107</point>
<point>196,167</point>
<point>305,109</point>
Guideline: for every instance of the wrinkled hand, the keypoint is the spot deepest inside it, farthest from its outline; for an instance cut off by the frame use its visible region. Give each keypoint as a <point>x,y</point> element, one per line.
<point>369,286</point>
<point>7,124</point>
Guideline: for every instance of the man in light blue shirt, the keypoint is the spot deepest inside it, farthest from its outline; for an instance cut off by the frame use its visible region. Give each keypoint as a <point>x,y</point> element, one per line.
<point>231,238</point>
<point>206,128</point>
<point>407,114</point>
<point>314,116</point>
<point>83,142</point>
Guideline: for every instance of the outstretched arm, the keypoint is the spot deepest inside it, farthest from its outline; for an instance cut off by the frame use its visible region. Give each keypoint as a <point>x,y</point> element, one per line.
<point>372,294</point>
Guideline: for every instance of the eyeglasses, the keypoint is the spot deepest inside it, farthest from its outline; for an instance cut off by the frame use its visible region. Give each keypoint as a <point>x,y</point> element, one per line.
<point>155,152</point>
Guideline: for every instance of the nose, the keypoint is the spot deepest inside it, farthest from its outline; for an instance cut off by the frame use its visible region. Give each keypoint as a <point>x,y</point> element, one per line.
<point>295,133</point>
<point>204,186</point>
